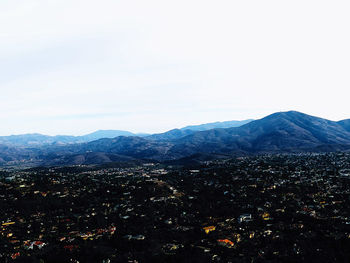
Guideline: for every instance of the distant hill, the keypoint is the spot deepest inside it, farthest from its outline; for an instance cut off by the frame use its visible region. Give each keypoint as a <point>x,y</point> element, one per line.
<point>282,132</point>
<point>279,132</point>
<point>103,134</point>
<point>36,139</point>
<point>170,135</point>
<point>345,124</point>
<point>10,154</point>
<point>215,125</point>
<point>179,133</point>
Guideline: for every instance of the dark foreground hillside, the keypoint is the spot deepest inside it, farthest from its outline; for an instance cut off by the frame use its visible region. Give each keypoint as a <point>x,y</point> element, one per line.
<point>270,208</point>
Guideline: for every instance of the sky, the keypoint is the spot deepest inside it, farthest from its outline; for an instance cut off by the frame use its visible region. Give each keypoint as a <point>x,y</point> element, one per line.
<point>76,66</point>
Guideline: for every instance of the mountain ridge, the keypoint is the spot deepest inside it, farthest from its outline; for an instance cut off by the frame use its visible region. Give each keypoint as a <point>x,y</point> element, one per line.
<point>280,132</point>
<point>37,139</point>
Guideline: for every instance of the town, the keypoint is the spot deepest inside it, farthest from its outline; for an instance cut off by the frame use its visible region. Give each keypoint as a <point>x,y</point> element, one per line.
<point>264,208</point>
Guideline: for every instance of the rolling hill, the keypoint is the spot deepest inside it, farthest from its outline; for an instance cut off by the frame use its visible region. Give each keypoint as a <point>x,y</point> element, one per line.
<point>216,125</point>
<point>36,139</point>
<point>282,132</point>
<point>279,132</point>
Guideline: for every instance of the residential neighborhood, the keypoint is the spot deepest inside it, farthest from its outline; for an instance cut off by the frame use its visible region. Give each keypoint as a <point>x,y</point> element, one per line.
<point>266,208</point>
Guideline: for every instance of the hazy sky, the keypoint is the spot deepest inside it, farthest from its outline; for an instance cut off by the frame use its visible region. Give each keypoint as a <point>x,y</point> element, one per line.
<point>75,66</point>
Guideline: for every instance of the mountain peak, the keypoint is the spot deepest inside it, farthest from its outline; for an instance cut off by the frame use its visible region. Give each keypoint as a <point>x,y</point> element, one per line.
<point>290,113</point>
<point>280,132</point>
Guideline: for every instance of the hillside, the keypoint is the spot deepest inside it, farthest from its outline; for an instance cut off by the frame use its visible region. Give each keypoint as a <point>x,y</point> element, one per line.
<point>279,132</point>
<point>282,132</point>
<point>216,125</point>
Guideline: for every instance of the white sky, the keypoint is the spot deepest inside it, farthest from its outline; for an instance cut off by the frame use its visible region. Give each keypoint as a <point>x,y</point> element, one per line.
<point>75,66</point>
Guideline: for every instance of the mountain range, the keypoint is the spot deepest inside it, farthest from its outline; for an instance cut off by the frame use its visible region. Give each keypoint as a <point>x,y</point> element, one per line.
<point>36,139</point>
<point>281,132</point>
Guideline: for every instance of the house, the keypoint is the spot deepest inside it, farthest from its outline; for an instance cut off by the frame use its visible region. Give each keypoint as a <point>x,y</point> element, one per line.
<point>225,242</point>
<point>245,218</point>
<point>208,229</point>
